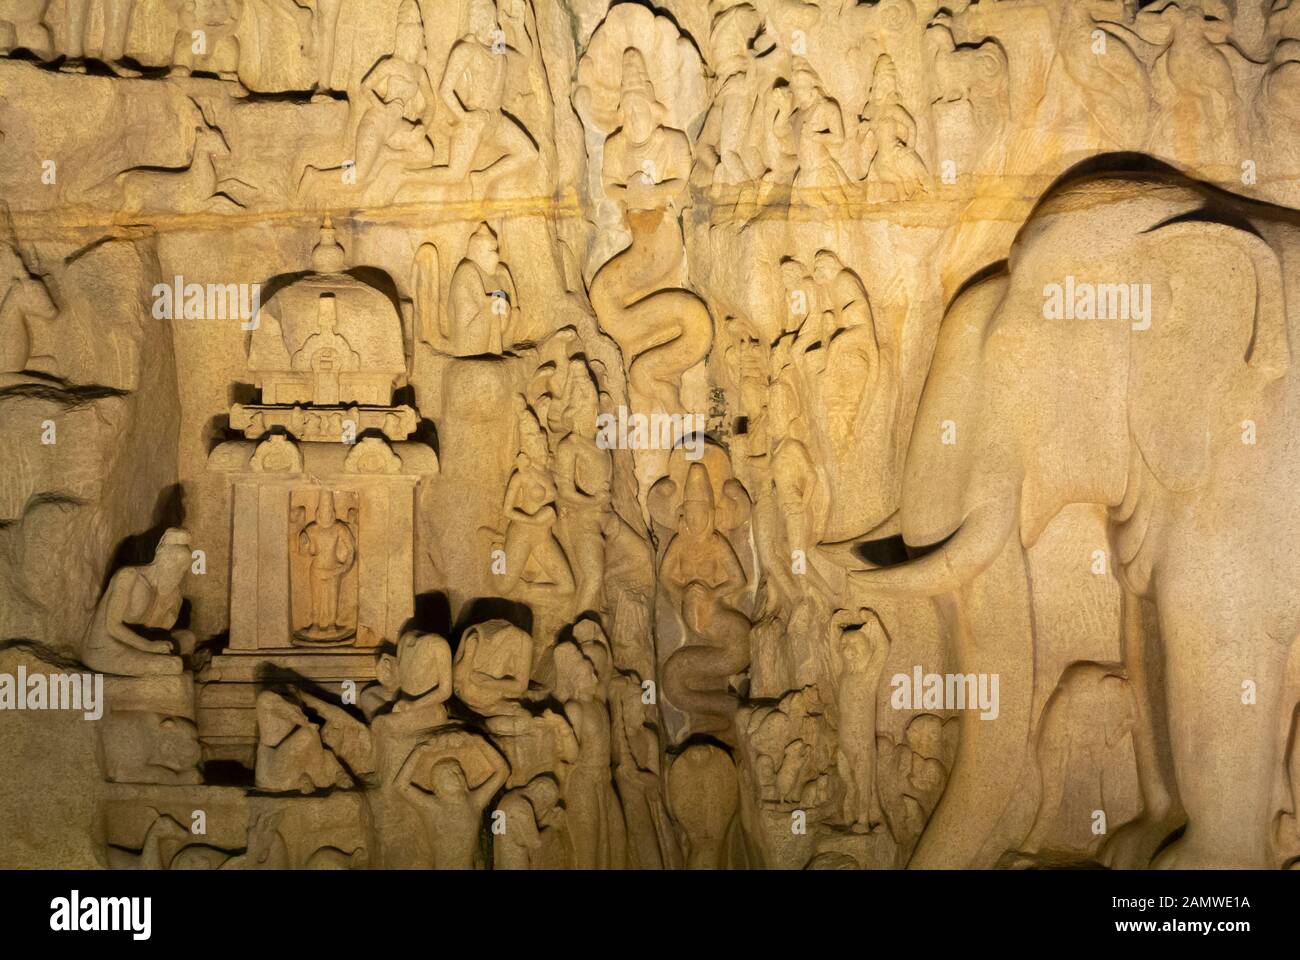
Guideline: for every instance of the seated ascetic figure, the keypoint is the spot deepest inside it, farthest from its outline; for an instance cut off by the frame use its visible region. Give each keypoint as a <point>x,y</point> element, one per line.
<point>481,300</point>
<point>139,598</point>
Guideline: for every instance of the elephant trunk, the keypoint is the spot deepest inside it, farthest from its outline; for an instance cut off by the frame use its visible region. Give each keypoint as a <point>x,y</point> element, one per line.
<point>965,555</point>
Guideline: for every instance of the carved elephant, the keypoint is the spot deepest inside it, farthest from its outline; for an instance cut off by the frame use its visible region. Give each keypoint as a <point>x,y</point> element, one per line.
<point>1133,352</point>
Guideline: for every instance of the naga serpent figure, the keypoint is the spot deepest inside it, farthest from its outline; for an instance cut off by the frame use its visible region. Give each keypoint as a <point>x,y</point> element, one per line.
<point>662,328</point>
<point>701,571</point>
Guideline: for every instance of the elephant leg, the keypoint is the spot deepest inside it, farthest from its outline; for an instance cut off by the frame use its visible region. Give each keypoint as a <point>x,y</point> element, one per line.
<point>75,27</point>
<point>1133,845</point>
<point>117,26</point>
<point>326,35</point>
<point>994,633</point>
<point>1225,742</point>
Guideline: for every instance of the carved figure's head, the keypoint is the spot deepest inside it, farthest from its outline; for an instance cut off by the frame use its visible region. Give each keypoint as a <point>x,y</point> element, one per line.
<point>638,105</point>
<point>418,665</point>
<point>447,779</point>
<point>171,560</point>
<point>697,501</point>
<point>826,266</point>
<point>483,20</point>
<point>325,509</point>
<point>408,38</point>
<point>482,249</point>
<point>532,439</point>
<point>884,80</point>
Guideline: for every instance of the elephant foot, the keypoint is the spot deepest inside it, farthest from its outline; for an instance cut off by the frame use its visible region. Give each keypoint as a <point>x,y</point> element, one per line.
<point>1133,845</point>
<point>1188,853</point>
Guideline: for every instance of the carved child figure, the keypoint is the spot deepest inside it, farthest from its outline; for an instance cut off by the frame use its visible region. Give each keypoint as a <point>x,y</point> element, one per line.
<point>860,655</point>
<point>532,837</point>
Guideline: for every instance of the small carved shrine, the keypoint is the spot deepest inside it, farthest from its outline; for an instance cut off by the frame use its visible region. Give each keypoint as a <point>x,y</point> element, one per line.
<point>323,492</point>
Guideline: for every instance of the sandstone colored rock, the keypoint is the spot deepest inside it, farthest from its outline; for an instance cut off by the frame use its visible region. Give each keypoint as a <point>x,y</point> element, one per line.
<point>720,434</point>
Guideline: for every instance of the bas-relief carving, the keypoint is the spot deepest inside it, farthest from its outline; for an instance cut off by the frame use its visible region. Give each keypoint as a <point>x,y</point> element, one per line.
<point>375,545</point>
<point>26,316</point>
<point>290,754</point>
<point>420,132</point>
<point>326,551</point>
<point>1143,489</point>
<point>481,299</point>
<point>486,145</point>
<point>530,517</point>
<point>704,581</point>
<point>450,780</point>
<point>132,632</point>
<point>535,824</point>
<point>662,329</point>
<point>595,820</point>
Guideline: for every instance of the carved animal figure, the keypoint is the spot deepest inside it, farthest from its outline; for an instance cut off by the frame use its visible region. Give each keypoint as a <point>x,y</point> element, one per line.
<point>184,190</point>
<point>1162,393</point>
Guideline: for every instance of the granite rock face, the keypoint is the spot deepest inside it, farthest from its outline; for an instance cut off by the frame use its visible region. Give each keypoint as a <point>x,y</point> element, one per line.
<point>521,434</point>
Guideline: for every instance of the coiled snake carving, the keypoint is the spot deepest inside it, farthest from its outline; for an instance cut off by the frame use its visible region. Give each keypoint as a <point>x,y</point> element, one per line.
<point>663,330</point>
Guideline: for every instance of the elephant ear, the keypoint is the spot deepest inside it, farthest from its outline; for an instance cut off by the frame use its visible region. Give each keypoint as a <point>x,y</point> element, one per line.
<point>1217,312</point>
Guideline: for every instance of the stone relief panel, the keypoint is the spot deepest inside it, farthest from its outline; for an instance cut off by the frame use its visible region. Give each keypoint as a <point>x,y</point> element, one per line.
<point>525,434</point>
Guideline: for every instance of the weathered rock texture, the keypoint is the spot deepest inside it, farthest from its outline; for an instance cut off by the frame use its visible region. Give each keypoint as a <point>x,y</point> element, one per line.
<point>746,433</point>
